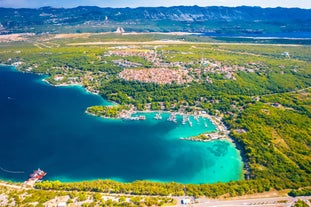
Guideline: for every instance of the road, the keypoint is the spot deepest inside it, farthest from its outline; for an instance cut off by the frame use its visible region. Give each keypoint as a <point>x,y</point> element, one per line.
<point>205,202</point>
<point>294,91</point>
<point>171,42</point>
<point>269,202</point>
<point>15,186</point>
<point>10,185</point>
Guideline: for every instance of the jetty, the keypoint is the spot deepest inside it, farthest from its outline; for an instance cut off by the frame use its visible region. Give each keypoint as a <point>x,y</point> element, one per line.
<point>184,119</point>
<point>135,118</point>
<point>207,137</point>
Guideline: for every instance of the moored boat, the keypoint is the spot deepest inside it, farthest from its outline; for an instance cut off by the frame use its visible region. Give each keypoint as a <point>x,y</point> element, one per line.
<point>158,116</point>
<point>37,174</point>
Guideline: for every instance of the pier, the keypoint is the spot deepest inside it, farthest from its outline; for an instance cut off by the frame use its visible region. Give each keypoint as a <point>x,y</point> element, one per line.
<point>205,137</point>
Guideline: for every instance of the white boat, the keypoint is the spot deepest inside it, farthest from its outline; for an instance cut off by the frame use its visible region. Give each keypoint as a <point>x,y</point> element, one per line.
<point>172,118</point>
<point>196,118</point>
<point>158,116</point>
<point>190,123</point>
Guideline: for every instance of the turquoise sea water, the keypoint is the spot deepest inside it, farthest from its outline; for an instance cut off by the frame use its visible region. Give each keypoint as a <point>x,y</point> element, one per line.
<point>46,126</point>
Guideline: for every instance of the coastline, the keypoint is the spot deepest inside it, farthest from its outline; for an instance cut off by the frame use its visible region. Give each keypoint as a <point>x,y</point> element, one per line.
<point>221,130</point>
<point>14,66</point>
<point>205,115</point>
<point>69,85</point>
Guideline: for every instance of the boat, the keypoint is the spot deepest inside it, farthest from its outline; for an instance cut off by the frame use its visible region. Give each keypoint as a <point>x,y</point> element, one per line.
<point>175,120</point>
<point>135,118</point>
<point>35,177</point>
<point>196,118</point>
<point>142,118</point>
<point>158,116</point>
<point>37,174</point>
<point>171,117</point>
<point>190,123</point>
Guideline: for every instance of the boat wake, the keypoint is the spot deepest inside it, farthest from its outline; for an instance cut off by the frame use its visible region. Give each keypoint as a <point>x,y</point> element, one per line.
<point>9,171</point>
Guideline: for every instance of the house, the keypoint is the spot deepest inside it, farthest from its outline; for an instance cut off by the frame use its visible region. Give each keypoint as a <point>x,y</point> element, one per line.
<point>58,77</point>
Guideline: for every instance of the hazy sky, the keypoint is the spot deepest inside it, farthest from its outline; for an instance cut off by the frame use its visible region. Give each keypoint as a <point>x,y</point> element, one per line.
<point>151,3</point>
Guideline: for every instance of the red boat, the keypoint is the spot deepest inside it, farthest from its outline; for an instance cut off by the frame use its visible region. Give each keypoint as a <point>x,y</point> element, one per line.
<point>37,174</point>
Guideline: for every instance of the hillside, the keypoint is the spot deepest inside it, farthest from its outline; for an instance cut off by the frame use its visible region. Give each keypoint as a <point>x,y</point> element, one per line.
<point>227,20</point>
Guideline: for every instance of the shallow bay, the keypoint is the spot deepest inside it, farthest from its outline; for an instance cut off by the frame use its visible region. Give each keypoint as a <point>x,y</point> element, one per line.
<point>46,126</point>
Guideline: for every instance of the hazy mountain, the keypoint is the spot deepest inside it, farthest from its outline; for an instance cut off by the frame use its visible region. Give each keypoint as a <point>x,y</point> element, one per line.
<point>165,19</point>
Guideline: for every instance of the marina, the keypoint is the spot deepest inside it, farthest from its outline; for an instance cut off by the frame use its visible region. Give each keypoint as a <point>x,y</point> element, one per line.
<point>198,118</point>
<point>177,118</point>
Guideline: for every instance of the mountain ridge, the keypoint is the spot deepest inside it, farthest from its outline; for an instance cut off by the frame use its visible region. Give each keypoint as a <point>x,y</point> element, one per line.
<point>163,19</point>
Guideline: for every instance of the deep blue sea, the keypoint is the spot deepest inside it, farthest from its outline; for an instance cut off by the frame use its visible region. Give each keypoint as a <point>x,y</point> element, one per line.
<point>43,126</point>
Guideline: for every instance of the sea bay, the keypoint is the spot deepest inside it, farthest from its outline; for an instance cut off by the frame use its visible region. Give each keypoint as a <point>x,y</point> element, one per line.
<point>43,126</point>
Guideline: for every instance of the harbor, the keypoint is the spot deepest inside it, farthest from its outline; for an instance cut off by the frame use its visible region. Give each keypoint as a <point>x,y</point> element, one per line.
<point>199,118</point>
<point>174,117</point>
